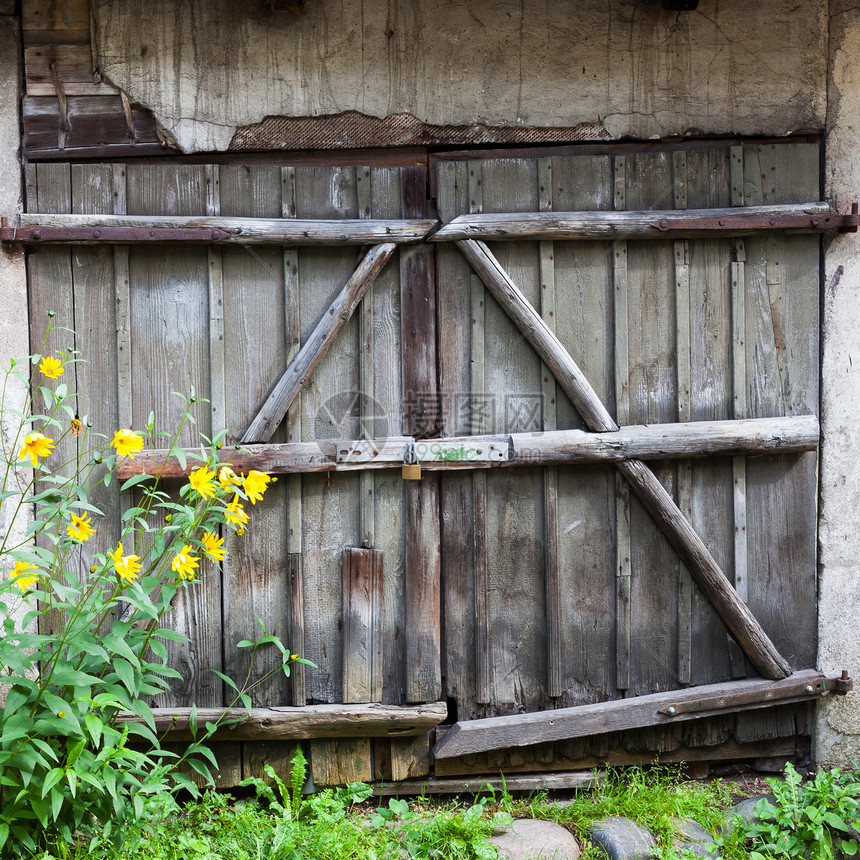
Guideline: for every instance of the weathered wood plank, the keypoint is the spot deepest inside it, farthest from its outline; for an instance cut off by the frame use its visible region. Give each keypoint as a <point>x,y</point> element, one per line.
<point>544,782</point>
<point>371,720</point>
<point>475,736</point>
<point>684,396</point>
<point>362,624</point>
<point>623,225</point>
<point>73,65</point>
<point>649,490</point>
<point>242,230</point>
<point>256,570</point>
<point>793,434</point>
<point>270,415</point>
<point>341,761</point>
<point>410,757</point>
<point>98,129</point>
<point>422,585</point>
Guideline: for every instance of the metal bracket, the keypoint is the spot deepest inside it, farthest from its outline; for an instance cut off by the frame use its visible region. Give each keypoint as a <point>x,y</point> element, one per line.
<point>734,223</point>
<point>121,235</point>
<point>782,693</point>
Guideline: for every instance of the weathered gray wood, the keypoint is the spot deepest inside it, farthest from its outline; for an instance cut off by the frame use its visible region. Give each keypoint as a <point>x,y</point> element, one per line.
<point>610,225</point>
<point>410,757</point>
<point>475,736</point>
<point>256,572</point>
<point>308,357</point>
<point>684,395</point>
<point>565,369</point>
<point>623,548</point>
<point>254,231</point>
<point>793,434</point>
<point>422,584</point>
<point>362,624</point>
<point>550,422</point>
<point>340,761</point>
<point>649,490</point>
<point>312,721</point>
<point>544,782</point>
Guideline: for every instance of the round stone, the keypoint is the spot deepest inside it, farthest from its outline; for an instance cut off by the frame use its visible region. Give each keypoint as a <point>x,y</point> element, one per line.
<point>622,839</point>
<point>694,839</point>
<point>530,839</point>
<point>746,810</point>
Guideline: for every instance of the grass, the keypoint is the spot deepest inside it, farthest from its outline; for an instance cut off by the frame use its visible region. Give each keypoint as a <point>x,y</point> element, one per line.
<point>338,824</point>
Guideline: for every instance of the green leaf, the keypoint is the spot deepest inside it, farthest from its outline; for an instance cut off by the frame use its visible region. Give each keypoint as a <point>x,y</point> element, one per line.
<point>53,777</point>
<point>835,821</point>
<point>94,727</point>
<point>226,679</point>
<point>126,674</point>
<point>179,453</point>
<point>134,480</point>
<point>15,698</point>
<point>72,779</point>
<point>75,752</point>
<point>57,801</point>
<point>192,721</point>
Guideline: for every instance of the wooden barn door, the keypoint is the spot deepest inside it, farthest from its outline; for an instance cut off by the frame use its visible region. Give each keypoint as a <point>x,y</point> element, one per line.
<point>559,588</point>
<point>324,564</point>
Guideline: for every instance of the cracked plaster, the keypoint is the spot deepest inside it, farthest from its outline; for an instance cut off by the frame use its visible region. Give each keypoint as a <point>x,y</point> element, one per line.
<point>205,67</point>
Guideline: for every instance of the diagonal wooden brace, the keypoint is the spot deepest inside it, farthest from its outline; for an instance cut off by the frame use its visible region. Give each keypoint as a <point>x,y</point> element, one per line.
<point>683,537</point>
<point>335,318</point>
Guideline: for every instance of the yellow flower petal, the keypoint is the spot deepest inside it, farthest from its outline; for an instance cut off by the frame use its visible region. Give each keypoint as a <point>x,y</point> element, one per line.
<point>24,574</point>
<point>126,443</point>
<point>202,481</point>
<point>213,546</point>
<point>80,529</point>
<point>36,445</point>
<point>51,367</point>
<point>185,563</point>
<point>254,484</point>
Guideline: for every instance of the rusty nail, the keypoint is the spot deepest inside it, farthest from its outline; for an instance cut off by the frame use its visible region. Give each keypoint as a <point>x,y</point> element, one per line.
<point>670,711</point>
<point>772,222</point>
<point>480,451</point>
<point>216,234</point>
<point>37,234</point>
<point>664,223</point>
<point>814,222</point>
<point>844,675</point>
<point>854,209</point>
<point>722,222</point>
<point>152,233</point>
<point>97,234</point>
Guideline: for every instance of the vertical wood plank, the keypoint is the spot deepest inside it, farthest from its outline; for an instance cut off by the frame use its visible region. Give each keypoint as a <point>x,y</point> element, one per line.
<point>410,757</point>
<point>477,391</point>
<point>685,471</point>
<point>423,559</point>
<point>550,422</point>
<point>623,560</point>
<point>362,624</point>
<point>293,334</point>
<point>366,356</point>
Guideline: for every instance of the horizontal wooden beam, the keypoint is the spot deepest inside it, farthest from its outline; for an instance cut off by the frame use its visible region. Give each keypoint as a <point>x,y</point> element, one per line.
<point>793,434</point>
<point>303,723</point>
<point>647,224</point>
<point>581,779</point>
<point>519,730</point>
<point>131,229</point>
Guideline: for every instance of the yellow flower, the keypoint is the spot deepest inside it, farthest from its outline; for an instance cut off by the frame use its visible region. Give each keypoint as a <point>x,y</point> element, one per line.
<point>36,445</point>
<point>213,546</point>
<point>294,656</point>
<point>76,426</point>
<point>24,574</point>
<point>235,513</point>
<point>51,367</point>
<point>61,714</point>
<point>126,443</point>
<point>255,484</point>
<point>228,478</point>
<point>184,563</point>
<point>202,482</point>
<point>80,529</point>
<point>127,567</point>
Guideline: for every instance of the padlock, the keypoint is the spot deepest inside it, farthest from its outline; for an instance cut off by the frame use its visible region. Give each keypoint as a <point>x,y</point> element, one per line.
<point>411,470</point>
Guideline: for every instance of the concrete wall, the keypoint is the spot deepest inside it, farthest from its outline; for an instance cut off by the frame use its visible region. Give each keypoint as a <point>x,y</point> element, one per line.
<point>838,730</point>
<point>14,339</point>
<point>731,67</point>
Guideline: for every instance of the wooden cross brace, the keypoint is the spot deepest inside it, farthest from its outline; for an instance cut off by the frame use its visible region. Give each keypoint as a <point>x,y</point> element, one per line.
<point>674,525</point>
